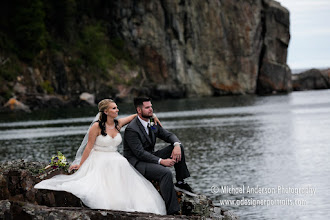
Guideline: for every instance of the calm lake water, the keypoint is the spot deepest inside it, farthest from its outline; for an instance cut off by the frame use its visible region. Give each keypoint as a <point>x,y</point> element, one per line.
<point>278,145</point>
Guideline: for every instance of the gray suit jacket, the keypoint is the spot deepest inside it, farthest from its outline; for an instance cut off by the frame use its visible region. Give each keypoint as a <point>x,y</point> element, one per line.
<point>138,146</point>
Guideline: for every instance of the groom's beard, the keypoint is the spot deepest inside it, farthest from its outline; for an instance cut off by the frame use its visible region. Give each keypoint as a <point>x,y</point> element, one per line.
<point>146,116</point>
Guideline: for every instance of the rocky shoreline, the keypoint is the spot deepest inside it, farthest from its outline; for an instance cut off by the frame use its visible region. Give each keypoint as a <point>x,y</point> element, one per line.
<point>312,79</point>
<point>162,49</point>
<point>31,102</point>
<point>19,200</point>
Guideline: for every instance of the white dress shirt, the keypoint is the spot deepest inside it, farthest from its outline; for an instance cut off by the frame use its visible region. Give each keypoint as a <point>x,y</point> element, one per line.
<point>145,124</point>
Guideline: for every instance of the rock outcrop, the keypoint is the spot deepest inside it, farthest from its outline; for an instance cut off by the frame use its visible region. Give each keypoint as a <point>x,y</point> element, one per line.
<point>14,105</point>
<point>19,199</point>
<point>17,179</point>
<point>23,210</point>
<point>208,48</point>
<point>274,74</point>
<point>311,79</point>
<point>180,49</point>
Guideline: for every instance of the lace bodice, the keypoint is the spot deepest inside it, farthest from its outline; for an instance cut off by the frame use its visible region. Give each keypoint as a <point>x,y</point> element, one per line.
<point>107,143</point>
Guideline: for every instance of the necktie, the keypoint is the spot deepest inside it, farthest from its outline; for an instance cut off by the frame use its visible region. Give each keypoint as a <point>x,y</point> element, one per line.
<point>150,132</point>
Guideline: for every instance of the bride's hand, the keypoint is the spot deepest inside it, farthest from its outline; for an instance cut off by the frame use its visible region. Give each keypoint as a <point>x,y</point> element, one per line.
<point>156,120</point>
<point>74,167</point>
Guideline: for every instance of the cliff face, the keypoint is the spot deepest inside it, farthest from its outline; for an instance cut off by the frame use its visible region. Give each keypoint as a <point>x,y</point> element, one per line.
<point>208,47</point>
<point>178,49</point>
<point>274,74</point>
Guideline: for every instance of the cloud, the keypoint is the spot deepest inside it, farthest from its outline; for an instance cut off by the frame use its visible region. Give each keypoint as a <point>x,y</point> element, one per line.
<point>316,31</point>
<point>310,33</point>
<point>305,5</point>
<point>319,63</point>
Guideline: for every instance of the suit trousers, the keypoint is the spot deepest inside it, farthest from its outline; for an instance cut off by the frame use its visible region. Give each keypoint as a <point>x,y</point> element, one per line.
<point>165,178</point>
<point>181,169</point>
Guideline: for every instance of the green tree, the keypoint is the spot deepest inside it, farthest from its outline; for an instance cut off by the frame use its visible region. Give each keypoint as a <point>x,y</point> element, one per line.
<point>30,32</point>
<point>94,47</point>
<point>60,18</point>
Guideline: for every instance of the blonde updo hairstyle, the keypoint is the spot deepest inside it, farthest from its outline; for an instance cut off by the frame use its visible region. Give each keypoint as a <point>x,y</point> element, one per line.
<point>103,105</point>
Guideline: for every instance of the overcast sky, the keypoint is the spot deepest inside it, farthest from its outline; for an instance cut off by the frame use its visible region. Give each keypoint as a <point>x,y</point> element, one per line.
<point>310,33</point>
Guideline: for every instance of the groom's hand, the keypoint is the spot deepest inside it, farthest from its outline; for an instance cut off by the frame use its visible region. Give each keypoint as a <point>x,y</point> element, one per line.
<point>176,153</point>
<point>167,162</point>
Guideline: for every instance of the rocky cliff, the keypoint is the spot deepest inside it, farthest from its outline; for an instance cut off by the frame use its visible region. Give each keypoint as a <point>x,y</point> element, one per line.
<point>163,48</point>
<point>208,47</point>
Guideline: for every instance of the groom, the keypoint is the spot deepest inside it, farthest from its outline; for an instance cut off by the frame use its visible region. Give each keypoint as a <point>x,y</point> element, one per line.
<point>139,144</point>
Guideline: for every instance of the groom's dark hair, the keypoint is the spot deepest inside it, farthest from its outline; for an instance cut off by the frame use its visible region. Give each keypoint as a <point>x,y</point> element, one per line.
<point>138,101</point>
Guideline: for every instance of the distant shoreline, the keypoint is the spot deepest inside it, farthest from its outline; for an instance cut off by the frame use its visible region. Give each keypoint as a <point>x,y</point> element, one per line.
<point>300,70</point>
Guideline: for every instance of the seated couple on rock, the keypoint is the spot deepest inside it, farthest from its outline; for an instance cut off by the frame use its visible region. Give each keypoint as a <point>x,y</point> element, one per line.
<point>107,180</point>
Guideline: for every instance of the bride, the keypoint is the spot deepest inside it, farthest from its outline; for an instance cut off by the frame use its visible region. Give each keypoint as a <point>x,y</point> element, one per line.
<point>105,179</point>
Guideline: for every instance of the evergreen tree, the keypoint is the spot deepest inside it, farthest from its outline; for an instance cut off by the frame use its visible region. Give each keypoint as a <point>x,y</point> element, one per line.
<point>29,28</point>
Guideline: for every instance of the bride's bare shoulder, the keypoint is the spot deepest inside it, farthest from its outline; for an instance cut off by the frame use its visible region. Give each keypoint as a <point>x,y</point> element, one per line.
<point>95,125</point>
<point>95,128</point>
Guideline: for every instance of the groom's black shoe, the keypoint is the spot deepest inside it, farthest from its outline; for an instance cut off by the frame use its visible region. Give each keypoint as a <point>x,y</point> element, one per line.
<point>185,188</point>
<point>176,213</point>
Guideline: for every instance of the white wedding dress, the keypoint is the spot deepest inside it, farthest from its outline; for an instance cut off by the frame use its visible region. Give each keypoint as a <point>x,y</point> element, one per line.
<point>106,180</point>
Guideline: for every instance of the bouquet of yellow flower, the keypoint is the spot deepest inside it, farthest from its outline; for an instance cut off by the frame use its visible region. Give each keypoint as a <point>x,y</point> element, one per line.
<point>58,160</point>
<point>57,163</point>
